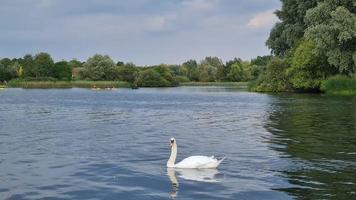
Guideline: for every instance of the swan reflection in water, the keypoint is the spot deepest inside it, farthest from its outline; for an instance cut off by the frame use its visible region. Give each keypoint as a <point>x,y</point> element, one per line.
<point>200,175</point>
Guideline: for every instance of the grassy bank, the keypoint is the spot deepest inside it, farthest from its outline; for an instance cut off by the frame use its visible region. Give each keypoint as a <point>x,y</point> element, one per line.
<point>67,84</point>
<point>222,84</point>
<point>340,85</point>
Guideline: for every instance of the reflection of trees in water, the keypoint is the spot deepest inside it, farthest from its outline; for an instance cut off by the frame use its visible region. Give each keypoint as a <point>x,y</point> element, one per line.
<point>319,135</point>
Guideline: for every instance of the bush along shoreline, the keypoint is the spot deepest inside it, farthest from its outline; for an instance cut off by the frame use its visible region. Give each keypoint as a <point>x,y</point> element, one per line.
<point>340,85</point>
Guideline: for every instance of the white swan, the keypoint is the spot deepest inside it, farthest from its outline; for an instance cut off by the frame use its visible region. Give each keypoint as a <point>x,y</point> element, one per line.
<point>192,162</point>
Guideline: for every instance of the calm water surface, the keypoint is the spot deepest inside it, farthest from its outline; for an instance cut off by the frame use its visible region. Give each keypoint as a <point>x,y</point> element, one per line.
<point>84,144</point>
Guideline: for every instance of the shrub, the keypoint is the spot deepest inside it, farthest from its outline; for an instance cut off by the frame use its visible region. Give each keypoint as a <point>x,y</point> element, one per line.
<point>307,69</point>
<point>340,85</point>
<point>273,79</point>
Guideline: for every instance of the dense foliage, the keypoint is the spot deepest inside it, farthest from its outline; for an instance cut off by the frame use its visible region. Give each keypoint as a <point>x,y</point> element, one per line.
<point>316,39</point>
<point>274,78</point>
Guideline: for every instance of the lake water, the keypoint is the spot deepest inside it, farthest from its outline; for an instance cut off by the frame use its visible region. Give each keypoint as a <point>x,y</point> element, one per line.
<point>84,144</point>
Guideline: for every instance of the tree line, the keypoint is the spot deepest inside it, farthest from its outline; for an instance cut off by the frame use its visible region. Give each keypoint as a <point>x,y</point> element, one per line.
<point>41,67</point>
<point>313,41</point>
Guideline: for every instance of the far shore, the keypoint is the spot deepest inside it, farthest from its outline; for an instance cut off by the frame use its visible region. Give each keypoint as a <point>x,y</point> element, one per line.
<point>222,84</point>
<point>68,84</point>
<point>108,84</point>
<point>122,84</point>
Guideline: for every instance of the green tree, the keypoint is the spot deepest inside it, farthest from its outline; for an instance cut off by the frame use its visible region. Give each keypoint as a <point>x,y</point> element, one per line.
<point>308,69</point>
<point>332,26</point>
<point>128,72</point>
<point>207,73</point>
<point>258,65</point>
<point>274,78</point>
<point>236,72</point>
<point>157,76</point>
<point>214,67</point>
<point>228,66</point>
<point>63,71</point>
<point>165,72</point>
<point>211,69</point>
<point>190,69</point>
<point>176,70</point>
<point>43,65</point>
<point>7,69</point>
<point>28,64</point>
<point>75,64</point>
<point>261,60</point>
<point>99,67</point>
<point>286,33</point>
<point>6,62</point>
<point>120,63</point>
<point>151,78</point>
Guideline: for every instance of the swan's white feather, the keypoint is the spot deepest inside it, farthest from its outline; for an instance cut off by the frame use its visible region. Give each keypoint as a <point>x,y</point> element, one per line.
<point>200,162</point>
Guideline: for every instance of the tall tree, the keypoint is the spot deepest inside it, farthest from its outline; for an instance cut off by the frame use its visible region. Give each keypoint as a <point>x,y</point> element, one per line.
<point>62,70</point>
<point>332,26</point>
<point>215,62</point>
<point>190,68</point>
<point>44,65</point>
<point>99,67</point>
<point>274,78</point>
<point>286,33</point>
<point>128,72</point>
<point>28,64</point>
<point>308,69</point>
<point>7,69</point>
<point>211,69</point>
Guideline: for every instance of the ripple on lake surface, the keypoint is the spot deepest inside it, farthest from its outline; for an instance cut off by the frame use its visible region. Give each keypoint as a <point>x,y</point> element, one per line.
<point>83,144</point>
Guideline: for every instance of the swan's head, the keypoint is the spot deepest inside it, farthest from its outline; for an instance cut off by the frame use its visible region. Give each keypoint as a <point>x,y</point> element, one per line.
<point>172,141</point>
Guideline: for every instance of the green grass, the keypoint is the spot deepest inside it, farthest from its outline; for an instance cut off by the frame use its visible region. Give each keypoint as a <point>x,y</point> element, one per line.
<point>67,84</point>
<point>222,84</point>
<point>340,85</point>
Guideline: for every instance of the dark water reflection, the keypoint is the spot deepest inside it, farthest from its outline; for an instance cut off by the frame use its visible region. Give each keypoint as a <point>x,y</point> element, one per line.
<point>83,144</point>
<point>318,134</point>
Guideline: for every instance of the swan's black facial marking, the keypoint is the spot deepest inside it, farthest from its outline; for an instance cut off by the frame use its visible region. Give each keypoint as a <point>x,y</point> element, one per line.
<point>172,141</point>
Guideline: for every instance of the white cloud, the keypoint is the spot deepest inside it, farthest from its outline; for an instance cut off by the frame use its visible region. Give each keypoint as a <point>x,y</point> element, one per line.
<point>262,20</point>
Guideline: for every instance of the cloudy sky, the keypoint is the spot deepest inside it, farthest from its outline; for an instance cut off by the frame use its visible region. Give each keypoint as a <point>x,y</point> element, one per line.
<point>141,31</point>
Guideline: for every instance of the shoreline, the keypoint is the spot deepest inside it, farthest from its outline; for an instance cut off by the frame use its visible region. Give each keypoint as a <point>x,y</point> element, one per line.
<point>242,85</point>
<point>108,84</point>
<point>68,84</point>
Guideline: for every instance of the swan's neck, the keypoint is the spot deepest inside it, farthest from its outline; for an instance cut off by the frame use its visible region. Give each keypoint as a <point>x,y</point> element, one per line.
<point>172,158</point>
